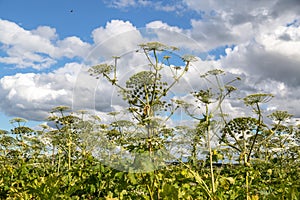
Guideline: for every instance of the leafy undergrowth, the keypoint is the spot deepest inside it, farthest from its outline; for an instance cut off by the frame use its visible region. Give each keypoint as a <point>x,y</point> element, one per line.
<point>28,171</point>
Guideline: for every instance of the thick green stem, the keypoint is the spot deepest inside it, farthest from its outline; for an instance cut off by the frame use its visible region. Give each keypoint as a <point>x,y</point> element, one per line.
<point>256,133</point>
<point>69,149</point>
<point>247,186</point>
<point>210,150</point>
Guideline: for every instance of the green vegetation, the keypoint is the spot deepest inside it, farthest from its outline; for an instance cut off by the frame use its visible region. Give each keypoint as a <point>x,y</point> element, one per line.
<point>81,157</point>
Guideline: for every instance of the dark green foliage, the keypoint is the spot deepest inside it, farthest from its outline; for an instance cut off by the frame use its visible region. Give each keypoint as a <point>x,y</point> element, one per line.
<point>30,171</point>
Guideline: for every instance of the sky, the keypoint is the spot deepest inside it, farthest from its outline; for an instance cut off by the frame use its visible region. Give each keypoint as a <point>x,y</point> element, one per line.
<point>47,46</point>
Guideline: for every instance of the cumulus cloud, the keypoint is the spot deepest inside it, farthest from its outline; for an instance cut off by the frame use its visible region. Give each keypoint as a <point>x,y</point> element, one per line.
<point>37,49</point>
<point>22,53</point>
<point>266,69</point>
<point>256,59</point>
<point>258,10</point>
<point>174,36</point>
<point>45,32</point>
<point>116,38</point>
<point>216,32</point>
<point>14,35</point>
<point>71,47</point>
<point>283,40</point>
<point>235,22</point>
<point>32,96</point>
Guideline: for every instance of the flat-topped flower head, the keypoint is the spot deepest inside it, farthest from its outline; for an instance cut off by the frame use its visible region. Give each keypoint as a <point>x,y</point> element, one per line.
<point>257,98</point>
<point>100,69</point>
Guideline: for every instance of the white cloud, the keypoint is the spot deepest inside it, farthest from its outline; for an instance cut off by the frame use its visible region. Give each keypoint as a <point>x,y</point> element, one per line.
<point>37,48</point>
<point>162,25</point>
<point>245,9</point>
<point>13,35</point>
<point>32,96</point>
<point>174,36</point>
<point>257,60</point>
<point>283,40</point>
<point>116,38</point>
<point>46,32</point>
<point>234,22</point>
<point>267,70</point>
<point>71,47</point>
<point>216,32</point>
<point>19,51</point>
<point>112,28</point>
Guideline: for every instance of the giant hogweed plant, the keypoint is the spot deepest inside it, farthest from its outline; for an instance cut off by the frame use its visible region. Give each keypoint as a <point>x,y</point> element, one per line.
<point>147,95</point>
<point>242,133</point>
<point>251,138</point>
<point>210,101</point>
<point>273,141</point>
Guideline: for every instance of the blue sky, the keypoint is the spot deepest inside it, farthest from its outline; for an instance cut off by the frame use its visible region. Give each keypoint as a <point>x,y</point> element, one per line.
<point>44,45</point>
<point>85,17</point>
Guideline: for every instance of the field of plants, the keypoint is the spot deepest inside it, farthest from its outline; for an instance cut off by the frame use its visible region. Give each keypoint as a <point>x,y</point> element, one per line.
<point>145,155</point>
